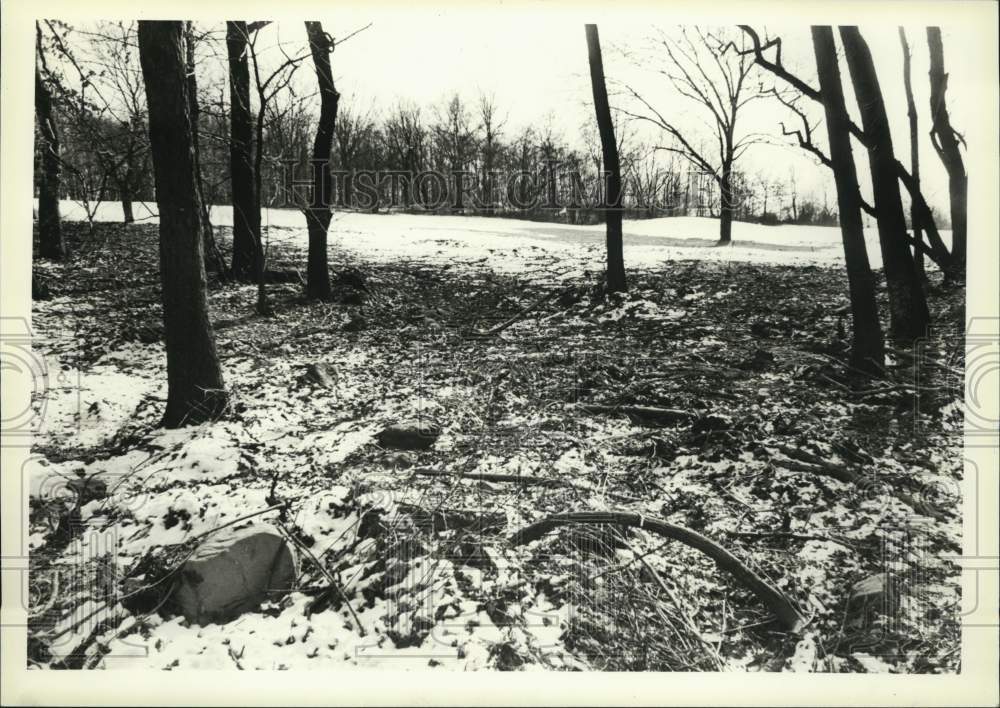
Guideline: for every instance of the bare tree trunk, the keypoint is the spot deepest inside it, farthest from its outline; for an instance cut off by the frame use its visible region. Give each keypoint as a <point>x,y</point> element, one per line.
<point>909,318</point>
<point>50,242</point>
<point>195,390</point>
<point>213,256</point>
<point>319,213</point>
<point>945,140</point>
<point>911,114</point>
<point>867,346</point>
<point>125,191</point>
<point>726,205</point>
<point>246,201</point>
<point>609,149</point>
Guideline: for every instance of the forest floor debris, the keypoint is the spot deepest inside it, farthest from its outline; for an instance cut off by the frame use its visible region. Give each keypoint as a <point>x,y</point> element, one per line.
<point>815,478</point>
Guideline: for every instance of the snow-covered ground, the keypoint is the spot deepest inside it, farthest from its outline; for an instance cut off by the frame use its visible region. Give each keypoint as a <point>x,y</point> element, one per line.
<point>515,244</point>
<point>166,486</point>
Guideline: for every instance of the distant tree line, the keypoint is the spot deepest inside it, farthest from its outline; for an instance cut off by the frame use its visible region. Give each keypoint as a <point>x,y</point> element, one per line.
<point>376,156</point>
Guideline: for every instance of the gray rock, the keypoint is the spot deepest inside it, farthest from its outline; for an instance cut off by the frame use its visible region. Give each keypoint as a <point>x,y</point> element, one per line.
<point>318,374</point>
<point>232,572</point>
<point>409,435</point>
<point>875,593</point>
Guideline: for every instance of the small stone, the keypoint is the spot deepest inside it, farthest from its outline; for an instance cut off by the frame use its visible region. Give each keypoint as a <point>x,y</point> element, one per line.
<point>712,422</point>
<point>356,324</point>
<point>875,592</point>
<point>409,435</point>
<point>318,374</point>
<point>88,489</point>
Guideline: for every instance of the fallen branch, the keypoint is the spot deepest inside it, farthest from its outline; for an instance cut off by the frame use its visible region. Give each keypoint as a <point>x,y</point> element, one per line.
<point>329,576</point>
<point>793,537</point>
<point>642,413</point>
<point>778,603</point>
<point>493,331</point>
<point>522,479</point>
<point>804,461</point>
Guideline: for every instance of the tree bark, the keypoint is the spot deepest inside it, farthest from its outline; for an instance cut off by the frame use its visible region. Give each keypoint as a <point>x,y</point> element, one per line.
<point>319,214</point>
<point>945,140</point>
<point>911,114</point>
<point>213,256</point>
<point>867,345</point>
<point>726,205</point>
<point>246,201</point>
<point>609,149</point>
<point>909,317</point>
<point>125,193</point>
<point>195,391</point>
<point>50,242</point>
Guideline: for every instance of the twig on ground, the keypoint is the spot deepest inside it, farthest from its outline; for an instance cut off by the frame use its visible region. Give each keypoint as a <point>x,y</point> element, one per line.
<point>522,479</point>
<point>493,331</point>
<point>329,576</point>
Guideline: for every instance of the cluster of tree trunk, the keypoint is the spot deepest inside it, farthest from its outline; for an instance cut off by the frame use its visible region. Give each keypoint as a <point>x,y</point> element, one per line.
<point>909,317</point>
<point>867,346</point>
<point>908,314</point>
<point>167,57</point>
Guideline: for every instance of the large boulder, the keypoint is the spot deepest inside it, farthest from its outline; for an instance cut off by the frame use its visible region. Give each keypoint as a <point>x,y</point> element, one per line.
<point>232,572</point>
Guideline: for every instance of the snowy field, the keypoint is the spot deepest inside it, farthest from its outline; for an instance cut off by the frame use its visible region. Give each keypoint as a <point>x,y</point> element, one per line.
<point>514,244</point>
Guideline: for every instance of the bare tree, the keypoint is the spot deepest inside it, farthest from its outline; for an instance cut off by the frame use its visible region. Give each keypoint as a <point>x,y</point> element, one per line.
<point>50,242</point>
<point>455,143</point>
<point>247,251</point>
<point>909,317</point>
<point>935,248</point>
<point>319,213</point>
<point>113,45</point>
<point>266,89</point>
<point>195,390</point>
<point>867,347</point>
<point>613,192</point>
<point>355,133</point>
<point>491,126</point>
<point>911,114</point>
<point>407,146</point>
<point>104,109</point>
<point>702,70</point>
<point>946,141</point>
<point>213,256</point>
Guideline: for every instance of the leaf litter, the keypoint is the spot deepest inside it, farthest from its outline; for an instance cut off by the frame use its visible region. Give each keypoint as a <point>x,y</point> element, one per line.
<point>809,474</point>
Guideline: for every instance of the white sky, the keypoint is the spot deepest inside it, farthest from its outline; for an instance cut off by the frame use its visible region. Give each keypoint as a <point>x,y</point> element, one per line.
<point>537,65</point>
<point>534,62</point>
